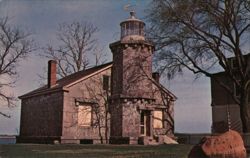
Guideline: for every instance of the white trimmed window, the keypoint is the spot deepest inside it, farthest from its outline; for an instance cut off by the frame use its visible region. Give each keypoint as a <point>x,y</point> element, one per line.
<point>84,115</point>
<point>158,119</point>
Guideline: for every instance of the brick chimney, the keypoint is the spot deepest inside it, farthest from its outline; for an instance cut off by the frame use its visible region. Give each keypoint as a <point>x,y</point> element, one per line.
<point>51,73</point>
<point>156,76</point>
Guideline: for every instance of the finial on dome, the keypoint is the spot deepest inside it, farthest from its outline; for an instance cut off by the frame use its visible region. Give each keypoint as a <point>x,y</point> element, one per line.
<point>132,14</point>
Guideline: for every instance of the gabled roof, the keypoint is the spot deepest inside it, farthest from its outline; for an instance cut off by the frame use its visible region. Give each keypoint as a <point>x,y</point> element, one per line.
<point>69,80</point>
<point>76,77</point>
<point>64,83</point>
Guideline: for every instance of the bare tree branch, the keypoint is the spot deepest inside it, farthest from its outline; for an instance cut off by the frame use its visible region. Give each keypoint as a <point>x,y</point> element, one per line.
<point>15,45</point>
<point>77,44</point>
<point>202,36</point>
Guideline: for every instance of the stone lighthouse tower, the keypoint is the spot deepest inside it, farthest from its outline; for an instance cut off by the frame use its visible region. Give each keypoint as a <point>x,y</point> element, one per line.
<point>131,94</point>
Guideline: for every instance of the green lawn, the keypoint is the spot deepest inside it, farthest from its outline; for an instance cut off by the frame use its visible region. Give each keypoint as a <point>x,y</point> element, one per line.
<point>93,151</point>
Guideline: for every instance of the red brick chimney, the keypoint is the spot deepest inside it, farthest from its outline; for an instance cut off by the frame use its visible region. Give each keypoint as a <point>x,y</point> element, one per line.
<point>156,76</point>
<point>51,73</point>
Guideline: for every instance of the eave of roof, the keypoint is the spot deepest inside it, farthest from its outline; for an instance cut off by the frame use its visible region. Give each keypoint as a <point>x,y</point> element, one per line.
<point>165,90</point>
<point>44,90</point>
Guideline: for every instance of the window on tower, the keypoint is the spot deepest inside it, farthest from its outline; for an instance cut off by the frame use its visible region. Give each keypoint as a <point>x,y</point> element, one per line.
<point>106,82</point>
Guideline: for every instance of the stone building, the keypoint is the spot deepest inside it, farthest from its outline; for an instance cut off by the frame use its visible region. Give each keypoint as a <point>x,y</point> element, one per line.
<point>133,99</point>
<point>122,102</point>
<point>65,109</point>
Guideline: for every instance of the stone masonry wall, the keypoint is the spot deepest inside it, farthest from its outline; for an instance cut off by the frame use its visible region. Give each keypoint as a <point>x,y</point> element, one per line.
<point>132,69</point>
<point>42,115</point>
<point>137,71</point>
<point>116,118</point>
<point>131,120</point>
<point>89,90</point>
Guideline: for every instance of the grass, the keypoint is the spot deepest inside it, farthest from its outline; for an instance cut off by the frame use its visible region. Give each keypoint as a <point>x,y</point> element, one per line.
<point>93,151</point>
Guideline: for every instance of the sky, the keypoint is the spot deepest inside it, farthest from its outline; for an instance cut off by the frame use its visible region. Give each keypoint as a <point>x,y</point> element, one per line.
<point>41,17</point>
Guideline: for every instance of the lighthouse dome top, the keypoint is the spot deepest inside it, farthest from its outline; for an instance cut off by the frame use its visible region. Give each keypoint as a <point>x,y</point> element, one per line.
<point>132,28</point>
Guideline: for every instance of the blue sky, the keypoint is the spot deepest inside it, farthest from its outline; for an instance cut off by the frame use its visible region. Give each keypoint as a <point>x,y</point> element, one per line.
<point>192,109</point>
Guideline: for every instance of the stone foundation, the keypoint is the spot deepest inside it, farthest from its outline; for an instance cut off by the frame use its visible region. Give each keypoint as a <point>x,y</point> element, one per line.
<point>123,140</point>
<point>38,140</point>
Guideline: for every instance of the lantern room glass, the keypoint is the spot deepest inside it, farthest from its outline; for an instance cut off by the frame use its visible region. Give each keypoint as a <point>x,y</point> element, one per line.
<point>132,28</point>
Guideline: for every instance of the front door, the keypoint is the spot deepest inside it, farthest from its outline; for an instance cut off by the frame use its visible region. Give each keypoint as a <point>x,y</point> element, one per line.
<point>145,123</point>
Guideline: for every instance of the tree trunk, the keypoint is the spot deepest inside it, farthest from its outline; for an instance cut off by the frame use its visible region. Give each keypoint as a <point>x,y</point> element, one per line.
<point>100,133</point>
<point>106,127</point>
<point>99,126</point>
<point>244,112</point>
<point>106,116</point>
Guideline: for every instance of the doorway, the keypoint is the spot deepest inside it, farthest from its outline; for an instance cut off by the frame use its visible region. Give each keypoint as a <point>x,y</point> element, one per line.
<point>145,123</point>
